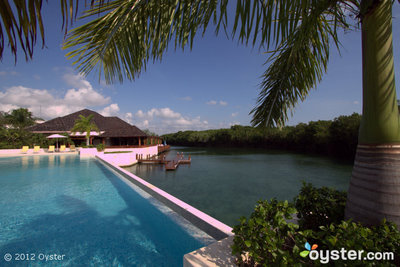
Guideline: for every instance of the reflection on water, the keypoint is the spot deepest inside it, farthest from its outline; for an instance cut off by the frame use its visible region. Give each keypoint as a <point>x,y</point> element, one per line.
<point>24,162</point>
<point>227,183</point>
<point>62,160</point>
<point>36,160</point>
<point>51,160</point>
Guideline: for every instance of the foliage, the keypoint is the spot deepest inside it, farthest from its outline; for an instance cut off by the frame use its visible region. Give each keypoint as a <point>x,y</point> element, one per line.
<point>149,133</point>
<point>87,146</point>
<point>384,237</point>
<point>19,118</point>
<point>118,152</point>
<point>16,138</point>
<point>269,238</point>
<point>337,138</point>
<point>319,206</point>
<point>23,27</point>
<point>124,35</point>
<point>266,236</point>
<point>100,147</point>
<point>13,133</point>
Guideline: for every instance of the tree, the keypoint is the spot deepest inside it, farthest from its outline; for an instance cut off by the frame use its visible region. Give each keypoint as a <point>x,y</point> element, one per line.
<point>124,35</point>
<point>85,124</point>
<point>19,118</point>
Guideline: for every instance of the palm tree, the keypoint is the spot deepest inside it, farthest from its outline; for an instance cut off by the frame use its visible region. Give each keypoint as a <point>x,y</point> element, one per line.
<point>19,118</point>
<point>85,124</point>
<point>22,21</point>
<point>125,34</point>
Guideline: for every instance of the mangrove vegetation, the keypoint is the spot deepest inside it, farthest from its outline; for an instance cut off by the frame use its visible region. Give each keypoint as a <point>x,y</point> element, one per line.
<point>337,138</point>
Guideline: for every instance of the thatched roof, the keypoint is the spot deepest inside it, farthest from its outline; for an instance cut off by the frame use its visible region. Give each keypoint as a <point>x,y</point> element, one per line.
<point>112,126</point>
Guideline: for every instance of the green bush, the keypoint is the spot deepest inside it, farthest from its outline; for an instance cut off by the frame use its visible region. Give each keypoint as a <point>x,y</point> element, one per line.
<point>269,238</point>
<point>100,147</point>
<point>319,206</point>
<point>384,237</point>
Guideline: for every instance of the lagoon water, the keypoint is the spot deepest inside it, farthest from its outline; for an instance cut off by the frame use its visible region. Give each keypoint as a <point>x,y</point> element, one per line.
<point>227,183</point>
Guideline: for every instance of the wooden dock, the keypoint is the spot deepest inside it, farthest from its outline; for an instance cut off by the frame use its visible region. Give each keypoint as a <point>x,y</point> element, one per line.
<point>170,165</point>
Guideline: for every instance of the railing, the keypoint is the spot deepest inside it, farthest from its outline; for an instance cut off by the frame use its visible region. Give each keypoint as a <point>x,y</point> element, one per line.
<point>163,148</point>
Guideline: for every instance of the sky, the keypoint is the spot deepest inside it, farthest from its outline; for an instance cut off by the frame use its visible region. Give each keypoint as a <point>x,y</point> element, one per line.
<point>215,85</point>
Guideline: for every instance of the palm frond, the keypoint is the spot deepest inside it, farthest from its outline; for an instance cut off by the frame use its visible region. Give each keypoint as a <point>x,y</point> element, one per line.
<point>299,62</point>
<point>21,22</point>
<point>130,33</point>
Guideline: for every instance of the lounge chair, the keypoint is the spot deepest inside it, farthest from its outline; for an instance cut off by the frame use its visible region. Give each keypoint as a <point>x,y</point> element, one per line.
<point>72,148</point>
<point>62,148</point>
<point>36,149</point>
<point>25,149</point>
<point>51,149</point>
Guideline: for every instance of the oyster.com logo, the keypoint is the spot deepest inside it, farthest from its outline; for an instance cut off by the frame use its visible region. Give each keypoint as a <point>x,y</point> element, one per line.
<point>308,247</point>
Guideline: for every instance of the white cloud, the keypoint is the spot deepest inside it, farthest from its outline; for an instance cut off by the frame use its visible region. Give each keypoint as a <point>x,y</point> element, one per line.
<point>234,123</point>
<point>111,110</point>
<point>213,103</point>
<point>165,120</point>
<point>186,98</point>
<point>46,105</point>
<point>128,117</point>
<point>8,73</point>
<point>76,80</point>
<point>164,113</point>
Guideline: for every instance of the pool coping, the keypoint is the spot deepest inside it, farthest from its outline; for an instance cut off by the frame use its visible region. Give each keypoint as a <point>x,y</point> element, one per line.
<point>201,220</point>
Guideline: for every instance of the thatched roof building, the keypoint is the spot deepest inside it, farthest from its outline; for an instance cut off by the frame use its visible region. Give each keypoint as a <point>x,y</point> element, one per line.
<point>113,130</point>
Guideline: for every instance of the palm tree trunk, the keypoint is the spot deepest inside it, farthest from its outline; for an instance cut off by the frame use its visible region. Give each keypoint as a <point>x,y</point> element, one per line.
<point>374,191</point>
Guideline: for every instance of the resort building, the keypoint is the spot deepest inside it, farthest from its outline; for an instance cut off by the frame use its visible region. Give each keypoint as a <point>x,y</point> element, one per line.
<point>113,132</point>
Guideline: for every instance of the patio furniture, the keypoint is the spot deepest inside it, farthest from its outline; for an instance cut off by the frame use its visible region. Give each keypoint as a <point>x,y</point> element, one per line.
<point>25,149</point>
<point>36,149</point>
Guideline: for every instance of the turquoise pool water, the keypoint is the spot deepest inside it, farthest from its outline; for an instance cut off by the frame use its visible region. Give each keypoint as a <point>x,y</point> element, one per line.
<point>78,208</point>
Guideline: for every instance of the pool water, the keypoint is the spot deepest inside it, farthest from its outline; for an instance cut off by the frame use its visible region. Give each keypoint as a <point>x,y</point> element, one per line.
<point>79,208</point>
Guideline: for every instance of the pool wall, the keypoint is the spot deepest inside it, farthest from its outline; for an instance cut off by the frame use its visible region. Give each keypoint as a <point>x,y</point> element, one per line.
<point>206,223</point>
<point>120,159</point>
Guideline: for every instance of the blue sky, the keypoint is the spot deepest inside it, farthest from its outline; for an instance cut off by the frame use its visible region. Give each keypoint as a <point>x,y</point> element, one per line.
<point>213,86</point>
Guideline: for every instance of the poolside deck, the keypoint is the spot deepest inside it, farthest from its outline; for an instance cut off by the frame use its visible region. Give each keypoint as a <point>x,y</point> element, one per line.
<point>17,152</point>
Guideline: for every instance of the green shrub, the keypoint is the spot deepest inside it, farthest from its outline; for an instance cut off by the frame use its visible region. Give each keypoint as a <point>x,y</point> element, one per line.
<point>319,206</point>
<point>384,237</point>
<point>100,147</point>
<point>268,238</point>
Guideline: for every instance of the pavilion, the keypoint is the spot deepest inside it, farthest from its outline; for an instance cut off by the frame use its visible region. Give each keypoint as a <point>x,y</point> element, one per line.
<point>113,132</point>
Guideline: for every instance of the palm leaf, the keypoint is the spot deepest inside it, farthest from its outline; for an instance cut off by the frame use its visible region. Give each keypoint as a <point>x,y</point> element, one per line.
<point>299,62</point>
<point>130,33</point>
<point>21,22</point>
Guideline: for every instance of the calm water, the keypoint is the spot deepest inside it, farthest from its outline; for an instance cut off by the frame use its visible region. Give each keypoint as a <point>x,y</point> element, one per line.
<point>76,207</point>
<point>227,183</point>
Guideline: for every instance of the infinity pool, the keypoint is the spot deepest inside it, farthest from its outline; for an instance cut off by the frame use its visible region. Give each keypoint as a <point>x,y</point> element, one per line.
<point>64,210</point>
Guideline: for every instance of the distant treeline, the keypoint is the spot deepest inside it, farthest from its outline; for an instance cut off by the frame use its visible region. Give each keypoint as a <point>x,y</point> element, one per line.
<point>336,138</point>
